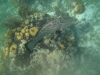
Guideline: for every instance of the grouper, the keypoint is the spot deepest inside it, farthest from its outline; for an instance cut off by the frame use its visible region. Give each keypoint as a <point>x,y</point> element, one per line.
<point>50,27</point>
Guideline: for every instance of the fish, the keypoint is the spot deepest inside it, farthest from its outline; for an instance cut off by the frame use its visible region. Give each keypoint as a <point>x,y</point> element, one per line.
<point>49,28</point>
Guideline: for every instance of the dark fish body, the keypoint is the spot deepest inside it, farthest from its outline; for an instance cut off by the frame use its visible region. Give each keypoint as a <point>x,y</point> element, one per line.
<point>51,27</point>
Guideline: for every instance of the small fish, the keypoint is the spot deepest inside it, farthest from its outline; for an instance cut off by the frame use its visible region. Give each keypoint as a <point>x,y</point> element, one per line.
<point>50,27</point>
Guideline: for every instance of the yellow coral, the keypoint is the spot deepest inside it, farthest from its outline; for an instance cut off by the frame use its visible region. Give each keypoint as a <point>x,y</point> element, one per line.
<point>23,31</point>
<point>26,27</point>
<point>33,31</point>
<point>27,35</point>
<point>13,49</point>
<point>79,8</point>
<point>27,22</point>
<point>19,37</point>
<point>18,28</point>
<point>36,15</point>
<point>26,30</point>
<point>6,51</point>
<point>61,45</point>
<point>16,33</point>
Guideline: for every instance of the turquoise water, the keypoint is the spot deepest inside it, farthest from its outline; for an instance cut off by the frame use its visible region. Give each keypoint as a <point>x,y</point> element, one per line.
<point>73,51</point>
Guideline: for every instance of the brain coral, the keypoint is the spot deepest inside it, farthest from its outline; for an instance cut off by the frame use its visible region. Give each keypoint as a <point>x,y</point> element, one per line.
<point>78,7</point>
<point>33,31</point>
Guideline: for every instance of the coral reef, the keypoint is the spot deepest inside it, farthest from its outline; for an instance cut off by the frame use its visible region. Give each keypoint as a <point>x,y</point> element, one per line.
<point>45,53</point>
<point>68,51</point>
<point>20,33</point>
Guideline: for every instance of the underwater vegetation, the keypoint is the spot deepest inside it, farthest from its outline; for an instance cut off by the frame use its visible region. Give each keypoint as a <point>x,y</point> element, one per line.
<point>12,22</point>
<point>21,1</point>
<point>24,10</point>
